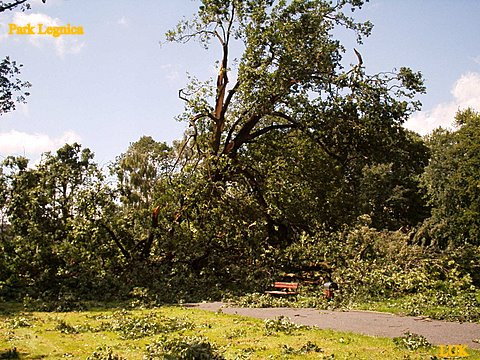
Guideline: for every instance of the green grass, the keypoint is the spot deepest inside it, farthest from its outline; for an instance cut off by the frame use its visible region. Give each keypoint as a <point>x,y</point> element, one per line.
<point>414,306</point>
<point>77,335</point>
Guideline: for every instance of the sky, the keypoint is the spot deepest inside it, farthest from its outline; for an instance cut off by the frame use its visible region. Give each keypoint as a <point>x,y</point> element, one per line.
<point>120,80</point>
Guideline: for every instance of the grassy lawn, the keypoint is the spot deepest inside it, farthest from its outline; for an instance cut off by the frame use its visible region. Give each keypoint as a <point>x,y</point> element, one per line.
<point>104,333</point>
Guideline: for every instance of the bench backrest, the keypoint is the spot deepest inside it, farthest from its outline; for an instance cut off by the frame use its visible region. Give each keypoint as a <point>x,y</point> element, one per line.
<point>285,285</point>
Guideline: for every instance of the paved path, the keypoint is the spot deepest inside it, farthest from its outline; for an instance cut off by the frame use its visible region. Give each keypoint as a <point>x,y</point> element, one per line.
<point>364,322</point>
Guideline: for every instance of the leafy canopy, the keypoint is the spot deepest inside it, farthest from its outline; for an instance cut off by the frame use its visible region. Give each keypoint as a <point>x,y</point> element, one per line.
<point>290,76</point>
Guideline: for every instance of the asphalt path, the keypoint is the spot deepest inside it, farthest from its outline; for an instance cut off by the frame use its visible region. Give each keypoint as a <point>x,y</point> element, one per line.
<point>364,322</point>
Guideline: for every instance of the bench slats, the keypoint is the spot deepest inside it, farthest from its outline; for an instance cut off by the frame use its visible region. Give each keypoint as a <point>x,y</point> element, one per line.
<point>285,285</point>
<point>288,288</point>
<point>277,292</point>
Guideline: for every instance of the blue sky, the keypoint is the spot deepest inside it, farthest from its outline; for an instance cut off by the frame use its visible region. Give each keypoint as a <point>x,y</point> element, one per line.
<point>116,83</point>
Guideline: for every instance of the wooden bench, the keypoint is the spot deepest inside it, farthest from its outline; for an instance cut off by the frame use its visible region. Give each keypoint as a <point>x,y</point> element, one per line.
<point>285,288</point>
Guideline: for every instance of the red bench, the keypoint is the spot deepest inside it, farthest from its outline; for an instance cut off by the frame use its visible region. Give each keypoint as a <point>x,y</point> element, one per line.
<point>285,288</point>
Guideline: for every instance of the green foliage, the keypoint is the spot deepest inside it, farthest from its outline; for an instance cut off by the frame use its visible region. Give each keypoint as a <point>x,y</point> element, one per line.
<point>104,353</point>
<point>304,349</point>
<point>260,300</point>
<point>371,265</point>
<point>183,348</point>
<point>139,171</point>
<point>451,182</point>
<point>292,85</point>
<point>133,327</point>
<point>11,87</point>
<point>412,341</point>
<point>390,192</point>
<point>50,246</point>
<point>18,322</point>
<point>244,354</point>
<point>61,304</point>
<point>443,305</point>
<point>236,334</point>
<point>302,166</point>
<point>312,298</point>
<point>298,143</point>
<point>141,298</point>
<point>65,328</point>
<point>281,324</point>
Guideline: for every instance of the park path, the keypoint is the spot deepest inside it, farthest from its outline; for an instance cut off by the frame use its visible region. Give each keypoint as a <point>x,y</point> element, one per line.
<point>364,322</point>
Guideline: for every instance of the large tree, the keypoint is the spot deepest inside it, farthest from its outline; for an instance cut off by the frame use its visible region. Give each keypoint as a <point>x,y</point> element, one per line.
<point>141,183</point>
<point>290,78</point>
<point>290,75</point>
<point>452,181</point>
<point>49,241</point>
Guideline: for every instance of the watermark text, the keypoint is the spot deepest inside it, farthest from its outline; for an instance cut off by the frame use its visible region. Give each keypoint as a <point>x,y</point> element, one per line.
<point>450,351</point>
<point>41,29</point>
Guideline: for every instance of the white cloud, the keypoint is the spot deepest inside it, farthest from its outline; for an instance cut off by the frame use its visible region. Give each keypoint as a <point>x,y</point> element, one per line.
<point>465,92</point>
<point>32,145</point>
<point>122,21</point>
<point>171,72</point>
<point>66,44</point>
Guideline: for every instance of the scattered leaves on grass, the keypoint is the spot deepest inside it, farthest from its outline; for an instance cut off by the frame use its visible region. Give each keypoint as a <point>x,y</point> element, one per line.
<point>183,348</point>
<point>412,341</point>
<point>18,322</point>
<point>135,327</point>
<point>305,349</point>
<point>104,353</point>
<point>281,324</point>
<point>237,333</point>
<point>65,328</point>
